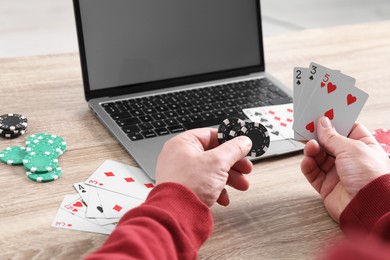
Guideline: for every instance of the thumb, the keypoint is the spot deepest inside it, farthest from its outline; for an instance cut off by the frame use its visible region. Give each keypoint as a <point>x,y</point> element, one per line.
<point>234,149</point>
<point>328,137</point>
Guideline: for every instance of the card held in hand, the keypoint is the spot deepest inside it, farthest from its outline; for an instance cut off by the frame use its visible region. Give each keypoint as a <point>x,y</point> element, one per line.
<point>331,94</point>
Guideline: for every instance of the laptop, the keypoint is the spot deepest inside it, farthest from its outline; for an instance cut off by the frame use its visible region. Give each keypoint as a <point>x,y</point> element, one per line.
<point>153,69</point>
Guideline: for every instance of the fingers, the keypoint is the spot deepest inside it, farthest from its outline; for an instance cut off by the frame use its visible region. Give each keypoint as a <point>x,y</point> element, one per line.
<point>329,138</point>
<point>223,198</point>
<point>234,150</point>
<point>316,164</point>
<point>360,132</point>
<point>237,180</point>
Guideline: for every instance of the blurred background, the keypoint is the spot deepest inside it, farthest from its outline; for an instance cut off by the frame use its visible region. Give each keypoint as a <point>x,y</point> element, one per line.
<point>35,27</point>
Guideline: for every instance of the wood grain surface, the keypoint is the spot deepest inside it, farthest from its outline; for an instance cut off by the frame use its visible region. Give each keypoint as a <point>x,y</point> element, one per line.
<point>279,217</point>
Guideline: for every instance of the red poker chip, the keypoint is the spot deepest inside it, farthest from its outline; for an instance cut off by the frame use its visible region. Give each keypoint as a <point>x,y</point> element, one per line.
<point>383,138</point>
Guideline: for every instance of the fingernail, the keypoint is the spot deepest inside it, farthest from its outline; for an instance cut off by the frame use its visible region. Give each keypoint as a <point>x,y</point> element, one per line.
<point>325,122</point>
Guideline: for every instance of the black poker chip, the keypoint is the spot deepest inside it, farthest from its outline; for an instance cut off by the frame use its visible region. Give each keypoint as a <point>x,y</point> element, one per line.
<point>233,127</point>
<point>259,136</point>
<point>13,122</point>
<point>12,125</point>
<point>225,128</point>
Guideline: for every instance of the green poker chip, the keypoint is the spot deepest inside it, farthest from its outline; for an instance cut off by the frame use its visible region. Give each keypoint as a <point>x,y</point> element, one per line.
<point>45,148</point>
<point>55,140</point>
<point>40,162</point>
<point>13,155</point>
<point>45,177</point>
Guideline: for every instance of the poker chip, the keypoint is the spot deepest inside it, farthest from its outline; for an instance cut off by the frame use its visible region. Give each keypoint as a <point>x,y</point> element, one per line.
<point>259,136</point>
<point>225,127</point>
<point>11,135</point>
<point>45,177</point>
<point>55,140</point>
<point>13,155</point>
<point>12,122</point>
<point>383,138</point>
<point>45,147</point>
<point>233,127</point>
<point>39,162</point>
<point>39,157</point>
<point>235,130</point>
<point>12,125</point>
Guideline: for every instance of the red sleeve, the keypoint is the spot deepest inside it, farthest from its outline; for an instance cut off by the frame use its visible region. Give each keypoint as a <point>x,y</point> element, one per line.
<point>172,224</point>
<point>366,222</point>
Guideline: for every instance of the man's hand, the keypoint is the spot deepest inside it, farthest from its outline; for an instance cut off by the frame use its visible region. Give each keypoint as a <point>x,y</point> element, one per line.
<point>342,166</point>
<point>196,160</point>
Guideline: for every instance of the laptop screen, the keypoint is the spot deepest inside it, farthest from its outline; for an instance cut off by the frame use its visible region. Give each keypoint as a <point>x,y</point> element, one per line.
<point>129,42</point>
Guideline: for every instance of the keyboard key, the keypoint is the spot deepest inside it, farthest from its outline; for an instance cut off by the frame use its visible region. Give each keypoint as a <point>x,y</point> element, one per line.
<point>159,116</point>
<point>196,117</point>
<point>121,115</point>
<point>183,119</point>
<point>135,136</point>
<point>145,126</point>
<point>176,128</point>
<point>146,118</point>
<point>130,129</point>
<point>170,114</point>
<point>171,121</point>
<point>148,134</point>
<point>128,121</point>
<point>158,124</point>
<point>161,131</point>
<point>149,111</point>
<point>112,109</point>
<point>183,112</point>
<point>136,112</point>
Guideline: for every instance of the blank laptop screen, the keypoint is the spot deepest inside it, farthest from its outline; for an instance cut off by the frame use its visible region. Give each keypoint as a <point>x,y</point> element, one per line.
<point>136,41</point>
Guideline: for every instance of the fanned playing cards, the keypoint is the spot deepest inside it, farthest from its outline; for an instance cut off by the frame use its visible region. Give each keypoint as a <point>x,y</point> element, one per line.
<point>320,91</point>
<point>112,190</point>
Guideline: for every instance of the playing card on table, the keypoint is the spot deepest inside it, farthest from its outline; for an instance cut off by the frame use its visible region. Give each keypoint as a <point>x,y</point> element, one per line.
<point>115,204</point>
<point>70,216</point>
<point>277,119</point>
<point>95,208</point>
<point>121,178</point>
<point>333,95</point>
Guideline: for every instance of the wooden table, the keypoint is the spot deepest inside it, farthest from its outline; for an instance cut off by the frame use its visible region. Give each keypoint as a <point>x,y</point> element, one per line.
<point>280,217</point>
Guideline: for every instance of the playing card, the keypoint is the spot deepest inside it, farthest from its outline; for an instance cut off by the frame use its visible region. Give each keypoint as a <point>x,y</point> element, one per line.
<point>95,208</point>
<point>83,191</point>
<point>313,74</point>
<point>277,119</point>
<point>67,220</point>
<point>78,206</point>
<point>116,205</point>
<point>299,80</point>
<point>121,178</point>
<point>334,97</point>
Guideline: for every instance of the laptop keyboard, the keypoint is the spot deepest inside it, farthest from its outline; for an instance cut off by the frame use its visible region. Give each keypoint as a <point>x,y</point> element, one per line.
<point>157,115</point>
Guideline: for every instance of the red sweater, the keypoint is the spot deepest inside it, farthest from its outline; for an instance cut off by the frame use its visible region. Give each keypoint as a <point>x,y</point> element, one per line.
<point>173,224</point>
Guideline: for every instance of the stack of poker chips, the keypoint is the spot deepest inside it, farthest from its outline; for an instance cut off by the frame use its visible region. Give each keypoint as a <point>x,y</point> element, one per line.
<point>233,127</point>
<point>39,157</point>
<point>12,125</point>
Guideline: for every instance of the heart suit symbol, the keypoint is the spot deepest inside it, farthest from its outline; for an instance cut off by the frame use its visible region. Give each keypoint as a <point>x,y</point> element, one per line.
<point>331,87</point>
<point>351,99</point>
<point>329,114</point>
<point>78,204</point>
<point>310,127</point>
